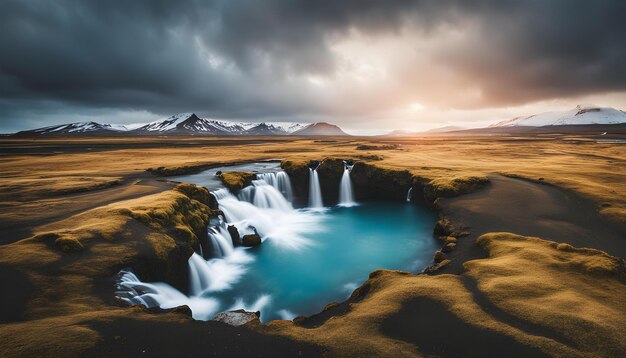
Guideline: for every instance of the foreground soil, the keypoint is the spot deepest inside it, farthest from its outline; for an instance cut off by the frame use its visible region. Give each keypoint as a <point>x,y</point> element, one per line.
<point>500,294</point>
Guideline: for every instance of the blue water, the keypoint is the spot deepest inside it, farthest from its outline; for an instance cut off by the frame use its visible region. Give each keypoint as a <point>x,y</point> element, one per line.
<point>355,242</point>
<point>341,246</point>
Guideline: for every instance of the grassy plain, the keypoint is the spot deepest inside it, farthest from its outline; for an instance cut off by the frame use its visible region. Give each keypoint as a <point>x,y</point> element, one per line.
<point>73,212</point>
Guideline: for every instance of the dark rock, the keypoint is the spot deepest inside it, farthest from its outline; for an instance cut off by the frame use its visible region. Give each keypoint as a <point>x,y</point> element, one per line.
<point>330,172</point>
<point>448,247</point>
<point>298,171</point>
<point>439,256</point>
<point>373,182</point>
<point>251,240</point>
<point>443,227</point>
<point>238,317</point>
<point>234,235</point>
<point>377,147</point>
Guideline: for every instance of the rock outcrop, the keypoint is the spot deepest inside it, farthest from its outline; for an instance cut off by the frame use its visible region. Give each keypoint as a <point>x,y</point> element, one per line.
<point>234,235</point>
<point>373,182</point>
<point>238,317</point>
<point>251,240</point>
<point>236,181</point>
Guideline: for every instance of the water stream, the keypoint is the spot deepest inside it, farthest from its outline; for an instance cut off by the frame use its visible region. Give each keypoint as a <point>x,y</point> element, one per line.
<point>308,257</point>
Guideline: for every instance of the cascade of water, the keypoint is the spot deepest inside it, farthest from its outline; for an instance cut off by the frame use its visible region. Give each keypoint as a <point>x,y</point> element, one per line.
<point>346,196</point>
<point>409,195</point>
<point>315,192</point>
<point>220,241</point>
<point>261,208</point>
<point>263,195</point>
<point>280,181</point>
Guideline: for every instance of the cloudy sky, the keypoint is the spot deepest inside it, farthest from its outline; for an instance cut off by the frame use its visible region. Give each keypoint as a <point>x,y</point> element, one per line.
<point>368,66</point>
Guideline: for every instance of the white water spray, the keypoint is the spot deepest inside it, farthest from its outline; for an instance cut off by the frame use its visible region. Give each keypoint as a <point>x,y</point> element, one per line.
<point>262,208</point>
<point>280,181</point>
<point>346,195</point>
<point>315,192</point>
<point>409,195</point>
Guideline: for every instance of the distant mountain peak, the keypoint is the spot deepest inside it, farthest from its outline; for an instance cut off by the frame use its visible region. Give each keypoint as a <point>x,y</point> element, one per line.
<point>190,124</point>
<point>581,114</point>
<point>322,129</point>
<point>90,127</point>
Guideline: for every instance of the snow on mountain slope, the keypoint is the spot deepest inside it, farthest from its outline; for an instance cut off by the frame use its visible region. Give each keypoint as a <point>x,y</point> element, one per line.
<point>77,127</point>
<point>578,115</point>
<point>167,124</point>
<point>190,123</point>
<point>184,123</point>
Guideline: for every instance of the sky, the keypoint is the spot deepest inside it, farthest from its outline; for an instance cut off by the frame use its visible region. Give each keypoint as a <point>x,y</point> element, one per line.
<point>368,66</point>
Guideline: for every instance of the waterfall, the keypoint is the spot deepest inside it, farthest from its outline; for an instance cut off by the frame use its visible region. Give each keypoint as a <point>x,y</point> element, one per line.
<point>409,195</point>
<point>220,241</point>
<point>346,196</point>
<point>280,181</point>
<point>261,208</point>
<point>315,192</point>
<point>263,195</point>
<point>134,292</point>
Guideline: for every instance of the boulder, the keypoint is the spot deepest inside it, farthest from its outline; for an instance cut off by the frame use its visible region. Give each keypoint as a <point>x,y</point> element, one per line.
<point>448,247</point>
<point>234,235</point>
<point>439,256</point>
<point>443,227</point>
<point>251,240</point>
<point>238,317</point>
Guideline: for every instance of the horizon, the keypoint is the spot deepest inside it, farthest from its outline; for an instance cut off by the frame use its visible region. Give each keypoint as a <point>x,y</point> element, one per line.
<point>369,68</point>
<point>350,131</point>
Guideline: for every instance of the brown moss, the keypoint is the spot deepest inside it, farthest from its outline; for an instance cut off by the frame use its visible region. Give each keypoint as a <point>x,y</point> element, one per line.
<point>446,188</point>
<point>198,193</point>
<point>235,181</point>
<point>69,244</point>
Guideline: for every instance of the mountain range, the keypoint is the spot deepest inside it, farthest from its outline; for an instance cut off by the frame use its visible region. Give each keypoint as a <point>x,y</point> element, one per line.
<point>580,115</point>
<point>190,124</point>
<point>581,118</point>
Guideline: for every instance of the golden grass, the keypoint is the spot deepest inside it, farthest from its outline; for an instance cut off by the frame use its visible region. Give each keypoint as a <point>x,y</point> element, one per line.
<point>575,292</point>
<point>595,170</point>
<point>237,180</point>
<point>63,262</point>
<point>578,293</point>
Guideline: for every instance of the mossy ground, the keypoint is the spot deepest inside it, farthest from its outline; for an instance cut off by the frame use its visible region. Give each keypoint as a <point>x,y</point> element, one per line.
<point>555,298</point>
<point>237,180</point>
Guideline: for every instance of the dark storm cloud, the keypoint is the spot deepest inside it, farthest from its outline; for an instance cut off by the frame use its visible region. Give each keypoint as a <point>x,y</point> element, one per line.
<point>235,59</point>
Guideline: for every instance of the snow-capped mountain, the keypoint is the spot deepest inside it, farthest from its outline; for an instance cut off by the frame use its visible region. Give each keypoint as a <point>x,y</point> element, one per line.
<point>77,128</point>
<point>579,115</point>
<point>189,124</point>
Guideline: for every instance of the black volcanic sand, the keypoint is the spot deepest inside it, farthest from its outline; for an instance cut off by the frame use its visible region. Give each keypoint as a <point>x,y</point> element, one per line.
<point>530,209</point>
<point>437,332</point>
<point>131,337</point>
